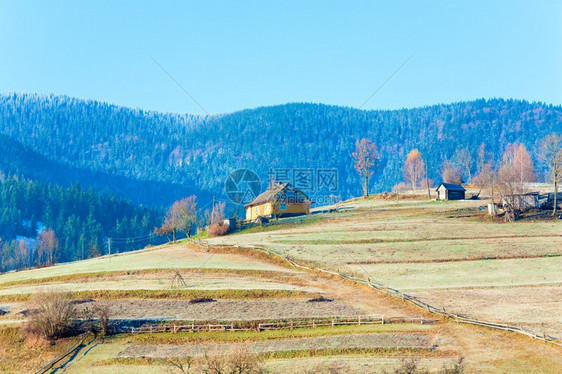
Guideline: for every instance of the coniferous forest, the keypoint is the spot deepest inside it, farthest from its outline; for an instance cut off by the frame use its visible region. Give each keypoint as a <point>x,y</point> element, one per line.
<point>82,220</point>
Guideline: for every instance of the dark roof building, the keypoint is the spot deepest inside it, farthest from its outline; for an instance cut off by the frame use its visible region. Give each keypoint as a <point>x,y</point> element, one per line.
<point>450,191</point>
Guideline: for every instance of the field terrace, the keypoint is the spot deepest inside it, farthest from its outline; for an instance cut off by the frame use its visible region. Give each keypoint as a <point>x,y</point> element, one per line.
<point>449,254</point>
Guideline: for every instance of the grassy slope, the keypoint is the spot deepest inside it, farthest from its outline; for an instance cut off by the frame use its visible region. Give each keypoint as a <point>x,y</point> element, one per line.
<point>163,257</point>
<point>410,233</point>
<point>428,245</point>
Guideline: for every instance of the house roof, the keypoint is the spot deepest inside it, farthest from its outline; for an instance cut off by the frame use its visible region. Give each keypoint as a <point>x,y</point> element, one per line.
<point>277,191</point>
<point>451,187</point>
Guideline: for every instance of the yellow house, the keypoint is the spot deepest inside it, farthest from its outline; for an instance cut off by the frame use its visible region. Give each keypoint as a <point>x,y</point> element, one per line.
<point>279,200</point>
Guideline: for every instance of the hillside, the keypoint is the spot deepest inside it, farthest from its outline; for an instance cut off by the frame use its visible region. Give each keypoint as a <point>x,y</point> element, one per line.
<point>196,153</point>
<point>446,253</point>
<point>81,221</point>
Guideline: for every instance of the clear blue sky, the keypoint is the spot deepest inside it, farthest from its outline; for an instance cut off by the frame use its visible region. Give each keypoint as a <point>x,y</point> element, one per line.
<point>242,54</point>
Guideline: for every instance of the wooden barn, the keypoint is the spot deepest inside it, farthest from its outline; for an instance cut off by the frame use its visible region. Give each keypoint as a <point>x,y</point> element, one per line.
<point>450,191</point>
<point>279,200</point>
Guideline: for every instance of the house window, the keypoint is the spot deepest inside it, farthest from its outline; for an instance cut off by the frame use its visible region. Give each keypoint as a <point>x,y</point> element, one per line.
<point>283,206</point>
<point>257,210</point>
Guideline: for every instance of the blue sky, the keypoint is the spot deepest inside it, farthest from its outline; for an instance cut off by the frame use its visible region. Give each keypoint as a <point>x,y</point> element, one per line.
<point>232,55</point>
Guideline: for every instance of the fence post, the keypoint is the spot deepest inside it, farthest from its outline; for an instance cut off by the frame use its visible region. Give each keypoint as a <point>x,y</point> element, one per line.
<point>382,320</point>
<point>313,325</point>
<point>359,320</point>
<point>333,322</point>
<point>292,324</point>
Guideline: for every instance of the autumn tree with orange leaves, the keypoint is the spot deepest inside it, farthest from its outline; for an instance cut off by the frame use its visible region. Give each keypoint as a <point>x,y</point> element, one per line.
<point>366,158</point>
<point>181,217</point>
<point>413,169</point>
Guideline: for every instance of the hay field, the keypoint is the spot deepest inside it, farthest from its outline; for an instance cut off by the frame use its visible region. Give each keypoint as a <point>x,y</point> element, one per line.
<point>440,251</point>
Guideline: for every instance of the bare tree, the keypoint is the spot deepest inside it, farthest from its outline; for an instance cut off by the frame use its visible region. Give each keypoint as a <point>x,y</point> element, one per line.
<point>413,168</point>
<point>217,213</point>
<point>22,255</point>
<point>463,157</point>
<point>551,155</point>
<point>181,217</point>
<point>366,158</point>
<point>238,360</point>
<point>487,178</point>
<point>399,188</point>
<point>481,158</point>
<point>183,364</point>
<point>48,248</point>
<point>450,173</point>
<point>52,317</point>
<point>516,171</point>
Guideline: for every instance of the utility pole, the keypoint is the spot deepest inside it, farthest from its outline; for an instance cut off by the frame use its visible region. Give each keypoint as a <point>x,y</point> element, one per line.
<point>427,181</point>
<point>213,210</point>
<point>109,245</point>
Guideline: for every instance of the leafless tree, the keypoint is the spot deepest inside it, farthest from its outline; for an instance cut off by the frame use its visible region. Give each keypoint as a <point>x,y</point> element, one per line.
<point>48,248</point>
<point>413,169</point>
<point>551,155</point>
<point>516,171</point>
<point>53,315</point>
<point>183,364</point>
<point>399,188</point>
<point>481,158</point>
<point>217,213</point>
<point>22,255</point>
<point>450,173</point>
<point>238,360</point>
<point>463,158</point>
<point>366,158</point>
<point>487,178</point>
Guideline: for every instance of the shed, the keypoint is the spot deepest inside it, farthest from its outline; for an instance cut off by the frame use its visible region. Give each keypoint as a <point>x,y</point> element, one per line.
<point>450,191</point>
<point>281,199</point>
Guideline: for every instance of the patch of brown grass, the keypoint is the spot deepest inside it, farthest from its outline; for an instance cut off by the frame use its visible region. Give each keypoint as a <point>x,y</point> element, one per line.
<point>174,294</point>
<point>96,276</point>
<point>17,356</point>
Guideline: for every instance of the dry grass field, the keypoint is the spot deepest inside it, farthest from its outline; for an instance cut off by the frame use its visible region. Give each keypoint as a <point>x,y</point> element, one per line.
<point>449,254</point>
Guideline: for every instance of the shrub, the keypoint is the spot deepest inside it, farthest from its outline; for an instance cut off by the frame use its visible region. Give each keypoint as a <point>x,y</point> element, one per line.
<point>53,316</point>
<point>102,312</point>
<point>202,300</point>
<point>320,299</point>
<point>218,229</point>
<point>238,360</point>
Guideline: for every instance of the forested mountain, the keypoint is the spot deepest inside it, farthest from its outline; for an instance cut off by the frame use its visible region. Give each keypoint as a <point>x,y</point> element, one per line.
<point>17,159</point>
<point>125,150</point>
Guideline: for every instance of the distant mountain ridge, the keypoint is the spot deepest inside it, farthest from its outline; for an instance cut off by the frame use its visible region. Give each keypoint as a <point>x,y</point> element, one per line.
<point>197,153</point>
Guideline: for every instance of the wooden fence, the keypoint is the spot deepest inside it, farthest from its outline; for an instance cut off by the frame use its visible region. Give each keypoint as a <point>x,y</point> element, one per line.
<point>262,325</point>
<point>459,318</point>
